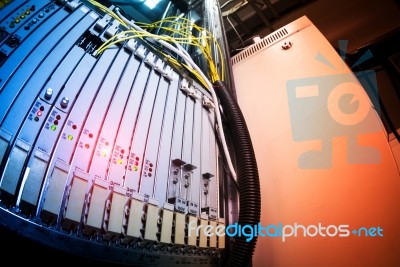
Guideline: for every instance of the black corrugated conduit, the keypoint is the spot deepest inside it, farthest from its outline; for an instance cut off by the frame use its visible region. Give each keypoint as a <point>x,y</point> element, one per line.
<point>247,176</point>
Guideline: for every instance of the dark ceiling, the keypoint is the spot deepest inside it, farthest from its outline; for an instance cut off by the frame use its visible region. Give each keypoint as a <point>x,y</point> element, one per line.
<point>358,21</point>
<point>244,20</point>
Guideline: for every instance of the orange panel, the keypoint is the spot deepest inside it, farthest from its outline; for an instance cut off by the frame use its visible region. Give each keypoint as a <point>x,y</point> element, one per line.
<point>322,154</point>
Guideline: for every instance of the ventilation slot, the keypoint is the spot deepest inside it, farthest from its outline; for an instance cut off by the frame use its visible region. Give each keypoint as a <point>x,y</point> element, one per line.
<point>266,41</point>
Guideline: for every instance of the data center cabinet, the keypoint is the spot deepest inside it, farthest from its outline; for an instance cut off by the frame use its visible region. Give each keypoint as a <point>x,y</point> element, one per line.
<point>107,155</point>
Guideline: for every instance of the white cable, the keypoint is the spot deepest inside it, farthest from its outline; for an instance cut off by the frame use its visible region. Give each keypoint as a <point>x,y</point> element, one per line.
<point>180,47</point>
<point>190,62</point>
<point>234,8</point>
<point>233,27</point>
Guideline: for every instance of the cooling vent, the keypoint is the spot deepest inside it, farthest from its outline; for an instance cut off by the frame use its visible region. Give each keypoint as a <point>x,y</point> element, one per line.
<point>266,41</point>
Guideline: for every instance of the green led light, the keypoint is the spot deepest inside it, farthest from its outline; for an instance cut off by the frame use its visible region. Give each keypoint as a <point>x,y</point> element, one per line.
<point>53,127</point>
<point>36,118</point>
<point>70,137</point>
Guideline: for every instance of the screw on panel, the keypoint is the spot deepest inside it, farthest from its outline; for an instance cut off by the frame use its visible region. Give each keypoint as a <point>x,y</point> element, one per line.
<point>49,93</point>
<point>286,45</point>
<point>64,102</point>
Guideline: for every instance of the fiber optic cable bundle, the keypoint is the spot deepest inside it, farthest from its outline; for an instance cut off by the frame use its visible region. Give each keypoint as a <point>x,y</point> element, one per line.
<point>180,33</point>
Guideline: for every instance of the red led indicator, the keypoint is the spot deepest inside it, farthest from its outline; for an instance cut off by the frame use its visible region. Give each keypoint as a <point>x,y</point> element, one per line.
<point>33,8</point>
<point>74,127</point>
<point>58,117</point>
<point>151,164</point>
<point>55,122</point>
<point>150,169</point>
<point>122,151</point>
<point>39,113</point>
<point>87,146</point>
<point>137,158</point>
<point>136,163</point>
<point>41,108</point>
<point>149,174</point>
<point>90,135</point>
